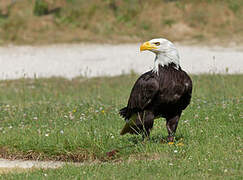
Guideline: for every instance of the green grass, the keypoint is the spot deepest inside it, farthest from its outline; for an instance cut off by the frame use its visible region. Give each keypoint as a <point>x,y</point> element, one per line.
<point>78,120</point>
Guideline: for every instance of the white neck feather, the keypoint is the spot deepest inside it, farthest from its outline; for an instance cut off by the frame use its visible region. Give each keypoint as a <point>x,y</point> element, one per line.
<point>166,58</point>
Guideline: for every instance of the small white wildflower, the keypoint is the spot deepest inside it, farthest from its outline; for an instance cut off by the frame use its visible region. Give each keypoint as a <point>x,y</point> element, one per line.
<point>46,135</point>
<point>170,164</point>
<point>71,116</point>
<point>65,116</point>
<point>111,135</point>
<point>45,174</point>
<point>10,127</point>
<point>225,170</point>
<point>61,131</point>
<point>175,151</point>
<point>35,118</point>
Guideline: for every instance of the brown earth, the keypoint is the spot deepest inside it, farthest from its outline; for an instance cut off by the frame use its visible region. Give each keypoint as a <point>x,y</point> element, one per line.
<point>117,21</point>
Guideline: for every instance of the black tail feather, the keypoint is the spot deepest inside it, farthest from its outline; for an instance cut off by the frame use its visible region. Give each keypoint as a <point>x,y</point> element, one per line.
<point>123,112</point>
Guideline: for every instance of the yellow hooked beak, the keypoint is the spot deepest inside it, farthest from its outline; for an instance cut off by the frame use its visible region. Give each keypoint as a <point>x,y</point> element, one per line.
<point>147,46</point>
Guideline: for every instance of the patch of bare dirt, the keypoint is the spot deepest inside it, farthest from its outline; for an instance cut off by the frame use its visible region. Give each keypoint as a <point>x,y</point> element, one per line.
<point>30,155</point>
<point>18,166</point>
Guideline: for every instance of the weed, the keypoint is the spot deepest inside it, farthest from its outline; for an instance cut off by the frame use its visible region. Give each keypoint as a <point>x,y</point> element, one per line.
<point>145,25</point>
<point>235,5</point>
<point>40,8</point>
<point>169,22</point>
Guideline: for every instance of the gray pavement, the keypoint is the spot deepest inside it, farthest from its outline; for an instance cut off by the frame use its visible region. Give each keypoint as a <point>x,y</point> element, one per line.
<point>98,60</point>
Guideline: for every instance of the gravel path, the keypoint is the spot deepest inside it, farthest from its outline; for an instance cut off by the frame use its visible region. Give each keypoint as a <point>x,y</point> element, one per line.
<point>7,166</point>
<point>95,60</point>
<point>5,163</point>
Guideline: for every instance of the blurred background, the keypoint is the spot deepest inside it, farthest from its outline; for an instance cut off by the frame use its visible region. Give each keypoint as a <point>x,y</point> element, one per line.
<point>70,38</point>
<point>120,21</point>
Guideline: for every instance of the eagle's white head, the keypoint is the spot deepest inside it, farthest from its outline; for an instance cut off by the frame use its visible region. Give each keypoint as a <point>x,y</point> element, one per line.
<point>165,51</point>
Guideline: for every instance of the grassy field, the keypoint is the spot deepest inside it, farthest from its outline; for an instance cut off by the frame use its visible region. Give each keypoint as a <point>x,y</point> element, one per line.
<point>118,21</point>
<point>77,120</point>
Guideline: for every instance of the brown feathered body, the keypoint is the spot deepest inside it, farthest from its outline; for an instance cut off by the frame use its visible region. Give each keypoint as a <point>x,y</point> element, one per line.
<point>165,93</point>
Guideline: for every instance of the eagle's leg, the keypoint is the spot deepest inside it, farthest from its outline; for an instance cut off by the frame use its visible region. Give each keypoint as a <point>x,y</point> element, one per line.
<point>147,119</point>
<point>171,124</point>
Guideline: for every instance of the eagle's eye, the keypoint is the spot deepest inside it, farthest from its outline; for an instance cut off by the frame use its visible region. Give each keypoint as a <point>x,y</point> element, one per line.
<point>157,43</point>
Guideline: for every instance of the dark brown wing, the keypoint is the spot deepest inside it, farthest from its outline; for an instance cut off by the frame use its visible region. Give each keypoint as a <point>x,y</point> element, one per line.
<point>143,92</point>
<point>175,87</point>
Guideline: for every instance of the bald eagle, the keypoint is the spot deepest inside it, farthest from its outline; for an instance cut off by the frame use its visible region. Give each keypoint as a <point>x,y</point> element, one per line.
<point>165,91</point>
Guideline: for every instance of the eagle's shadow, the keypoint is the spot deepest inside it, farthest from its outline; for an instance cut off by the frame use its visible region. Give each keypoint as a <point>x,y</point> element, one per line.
<point>139,140</point>
<point>156,138</point>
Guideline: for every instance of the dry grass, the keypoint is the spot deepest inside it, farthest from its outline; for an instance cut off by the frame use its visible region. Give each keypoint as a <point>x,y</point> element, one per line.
<point>117,21</point>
